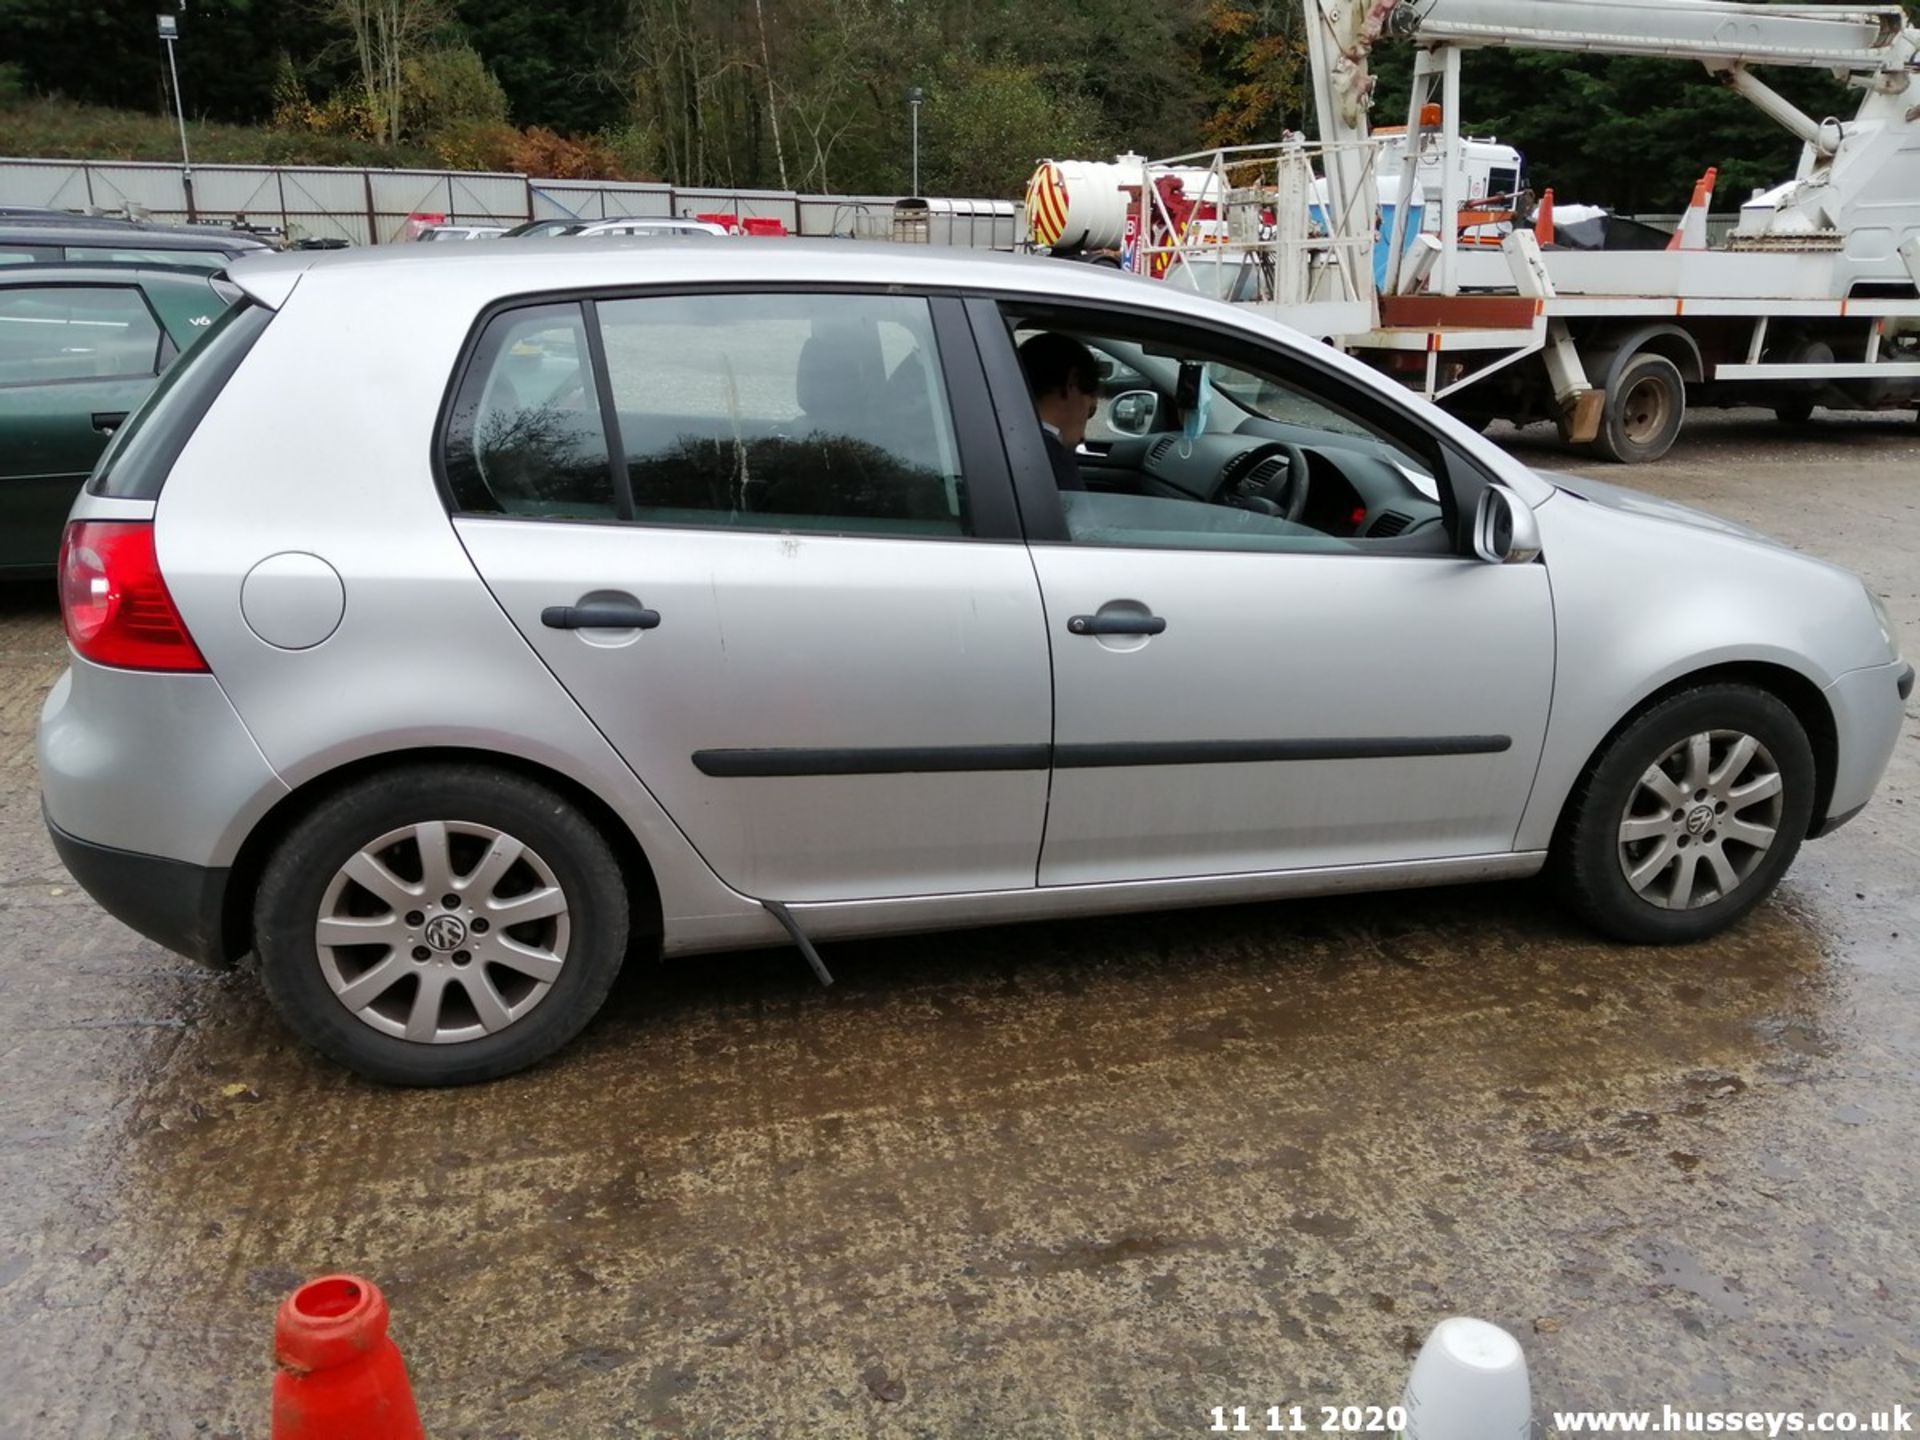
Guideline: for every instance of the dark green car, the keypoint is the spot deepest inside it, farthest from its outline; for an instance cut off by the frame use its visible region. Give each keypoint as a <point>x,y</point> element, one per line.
<point>80,347</point>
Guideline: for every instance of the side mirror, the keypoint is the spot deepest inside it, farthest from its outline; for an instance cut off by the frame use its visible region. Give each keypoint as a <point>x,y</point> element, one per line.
<point>1133,413</point>
<point>1505,531</point>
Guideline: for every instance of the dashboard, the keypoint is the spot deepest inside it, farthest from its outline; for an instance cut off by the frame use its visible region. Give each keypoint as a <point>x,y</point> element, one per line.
<point>1355,488</point>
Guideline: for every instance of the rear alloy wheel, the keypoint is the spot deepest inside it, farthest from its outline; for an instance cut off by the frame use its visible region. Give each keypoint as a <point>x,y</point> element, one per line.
<point>1689,817</point>
<point>442,925</point>
<point>1645,404</point>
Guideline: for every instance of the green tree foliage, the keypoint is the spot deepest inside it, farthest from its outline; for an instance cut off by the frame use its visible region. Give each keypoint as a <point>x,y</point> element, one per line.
<point>110,54</point>
<point>987,124</point>
<point>449,85</point>
<point>551,58</point>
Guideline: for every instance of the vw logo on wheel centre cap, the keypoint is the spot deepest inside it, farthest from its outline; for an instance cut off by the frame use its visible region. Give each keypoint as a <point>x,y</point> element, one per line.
<point>444,932</point>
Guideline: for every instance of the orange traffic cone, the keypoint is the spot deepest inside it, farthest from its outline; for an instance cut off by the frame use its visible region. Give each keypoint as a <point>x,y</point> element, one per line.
<point>338,1376</point>
<point>1691,232</point>
<point>1543,218</point>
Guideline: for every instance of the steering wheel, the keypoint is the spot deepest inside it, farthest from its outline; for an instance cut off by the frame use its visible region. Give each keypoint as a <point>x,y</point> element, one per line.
<point>1285,496</point>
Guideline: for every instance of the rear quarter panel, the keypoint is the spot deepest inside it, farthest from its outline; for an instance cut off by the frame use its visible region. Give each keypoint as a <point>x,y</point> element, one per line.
<point>340,467</point>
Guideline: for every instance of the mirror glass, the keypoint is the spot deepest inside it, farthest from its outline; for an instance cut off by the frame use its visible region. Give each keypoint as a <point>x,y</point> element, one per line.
<point>1133,412</point>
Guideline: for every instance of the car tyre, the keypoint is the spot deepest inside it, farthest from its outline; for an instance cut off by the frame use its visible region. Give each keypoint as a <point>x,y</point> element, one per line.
<point>1607,858</point>
<point>1646,403</point>
<point>311,887</point>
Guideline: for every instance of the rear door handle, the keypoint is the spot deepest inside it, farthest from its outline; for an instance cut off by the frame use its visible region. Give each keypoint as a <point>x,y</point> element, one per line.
<point>1117,624</point>
<point>606,615</point>
<point>105,422</point>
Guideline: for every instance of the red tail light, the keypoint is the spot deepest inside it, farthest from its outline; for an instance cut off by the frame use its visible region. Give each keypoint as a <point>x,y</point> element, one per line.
<point>116,606</point>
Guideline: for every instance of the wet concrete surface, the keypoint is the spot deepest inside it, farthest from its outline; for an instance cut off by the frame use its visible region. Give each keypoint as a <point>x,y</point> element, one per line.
<point>1063,1180</point>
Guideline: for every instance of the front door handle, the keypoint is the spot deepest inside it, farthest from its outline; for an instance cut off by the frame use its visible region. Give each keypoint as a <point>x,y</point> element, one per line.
<point>1117,623</point>
<point>105,422</point>
<point>602,615</point>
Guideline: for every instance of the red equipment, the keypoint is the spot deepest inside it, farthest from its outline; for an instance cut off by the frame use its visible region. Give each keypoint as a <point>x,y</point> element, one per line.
<point>339,1376</point>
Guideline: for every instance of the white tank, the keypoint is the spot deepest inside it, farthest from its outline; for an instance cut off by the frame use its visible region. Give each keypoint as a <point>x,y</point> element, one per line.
<point>1083,204</point>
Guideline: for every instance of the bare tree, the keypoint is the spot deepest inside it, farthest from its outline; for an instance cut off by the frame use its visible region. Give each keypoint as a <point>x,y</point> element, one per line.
<point>386,34</point>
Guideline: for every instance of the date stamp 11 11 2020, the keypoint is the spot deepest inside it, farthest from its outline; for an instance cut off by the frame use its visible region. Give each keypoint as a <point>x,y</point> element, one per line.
<point>1306,1419</point>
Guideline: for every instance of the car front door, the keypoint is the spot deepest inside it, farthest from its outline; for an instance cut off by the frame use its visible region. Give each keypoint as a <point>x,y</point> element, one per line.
<point>74,361</point>
<point>1238,692</point>
<point>796,600</point>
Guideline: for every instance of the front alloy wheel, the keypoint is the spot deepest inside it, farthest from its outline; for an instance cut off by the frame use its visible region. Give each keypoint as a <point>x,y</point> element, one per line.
<point>1688,816</point>
<point>1701,820</point>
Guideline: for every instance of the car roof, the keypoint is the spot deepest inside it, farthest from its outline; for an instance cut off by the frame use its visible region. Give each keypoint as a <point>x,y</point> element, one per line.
<point>136,237</point>
<point>547,264</point>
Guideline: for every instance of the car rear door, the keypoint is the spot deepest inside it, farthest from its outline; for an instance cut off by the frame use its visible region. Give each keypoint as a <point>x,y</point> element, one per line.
<point>797,600</point>
<point>75,359</point>
<point>1234,696</point>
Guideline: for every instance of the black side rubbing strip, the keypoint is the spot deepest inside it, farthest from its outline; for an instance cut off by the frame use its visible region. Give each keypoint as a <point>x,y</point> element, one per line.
<point>932,759</point>
<point>903,760</point>
<point>1241,752</point>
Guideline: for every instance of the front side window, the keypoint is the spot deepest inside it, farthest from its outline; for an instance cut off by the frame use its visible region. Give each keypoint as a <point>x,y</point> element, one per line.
<point>76,332</point>
<point>1165,440</point>
<point>785,411</point>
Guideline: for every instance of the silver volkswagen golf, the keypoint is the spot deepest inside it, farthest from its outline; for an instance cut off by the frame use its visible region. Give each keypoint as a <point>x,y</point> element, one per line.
<point>456,622</point>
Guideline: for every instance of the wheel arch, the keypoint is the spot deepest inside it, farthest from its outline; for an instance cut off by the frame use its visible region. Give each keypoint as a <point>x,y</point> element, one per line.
<point>1608,352</point>
<point>236,929</point>
<point>1787,685</point>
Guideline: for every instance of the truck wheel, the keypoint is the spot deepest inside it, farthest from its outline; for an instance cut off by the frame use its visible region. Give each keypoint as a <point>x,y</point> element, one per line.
<point>1645,404</point>
<point>1793,412</point>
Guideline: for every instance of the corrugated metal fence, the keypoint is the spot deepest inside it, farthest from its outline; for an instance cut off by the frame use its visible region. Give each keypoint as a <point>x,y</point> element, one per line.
<point>368,206</point>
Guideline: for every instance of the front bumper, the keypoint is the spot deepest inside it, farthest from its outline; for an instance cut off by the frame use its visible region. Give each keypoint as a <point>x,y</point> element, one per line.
<point>1868,707</point>
<point>172,903</point>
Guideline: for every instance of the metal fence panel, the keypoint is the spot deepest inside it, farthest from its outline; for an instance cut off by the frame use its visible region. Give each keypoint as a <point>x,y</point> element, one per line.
<point>598,199</point>
<point>157,188</point>
<point>57,184</point>
<point>372,206</point>
<point>863,217</point>
<point>778,205</point>
<point>464,199</point>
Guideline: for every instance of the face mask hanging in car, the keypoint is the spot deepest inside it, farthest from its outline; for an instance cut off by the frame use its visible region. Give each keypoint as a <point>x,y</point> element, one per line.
<point>1194,394</point>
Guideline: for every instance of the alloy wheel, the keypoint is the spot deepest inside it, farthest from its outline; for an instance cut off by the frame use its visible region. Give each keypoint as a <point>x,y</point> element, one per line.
<point>1700,820</point>
<point>442,931</point>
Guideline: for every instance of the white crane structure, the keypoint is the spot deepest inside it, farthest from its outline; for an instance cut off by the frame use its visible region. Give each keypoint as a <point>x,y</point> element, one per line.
<point>1813,299</point>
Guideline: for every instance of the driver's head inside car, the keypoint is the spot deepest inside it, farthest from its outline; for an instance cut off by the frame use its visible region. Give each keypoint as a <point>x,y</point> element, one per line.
<point>1065,384</point>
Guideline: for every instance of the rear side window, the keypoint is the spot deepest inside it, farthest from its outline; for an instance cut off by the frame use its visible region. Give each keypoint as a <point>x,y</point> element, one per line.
<point>76,332</point>
<point>526,436</point>
<point>136,464</point>
<point>785,411</point>
<point>764,412</point>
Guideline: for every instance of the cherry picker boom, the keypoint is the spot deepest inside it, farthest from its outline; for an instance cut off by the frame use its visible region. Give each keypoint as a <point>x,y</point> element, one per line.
<point>1814,298</point>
